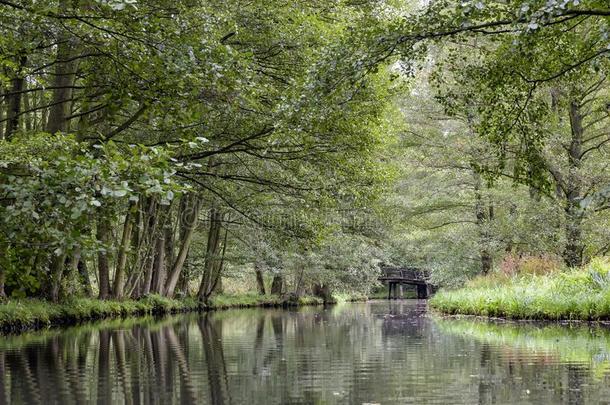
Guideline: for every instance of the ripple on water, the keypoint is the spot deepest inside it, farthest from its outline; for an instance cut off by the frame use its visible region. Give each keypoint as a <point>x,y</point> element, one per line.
<point>380,352</point>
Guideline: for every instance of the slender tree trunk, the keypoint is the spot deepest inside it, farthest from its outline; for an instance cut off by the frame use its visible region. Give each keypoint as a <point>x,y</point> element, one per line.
<point>57,268</point>
<point>209,278</point>
<point>139,281</point>
<point>103,236</point>
<point>84,276</point>
<point>158,278</point>
<point>148,275</point>
<point>188,223</point>
<point>484,214</point>
<point>2,111</point>
<point>260,281</point>
<point>119,274</point>
<point>574,247</point>
<point>3,265</point>
<point>72,270</point>
<point>27,119</point>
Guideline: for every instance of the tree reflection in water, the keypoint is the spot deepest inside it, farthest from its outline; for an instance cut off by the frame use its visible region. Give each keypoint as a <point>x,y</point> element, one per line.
<point>385,352</point>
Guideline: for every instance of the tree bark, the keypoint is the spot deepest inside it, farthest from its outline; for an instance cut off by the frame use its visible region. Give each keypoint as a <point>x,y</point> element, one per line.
<point>188,223</point>
<point>573,251</point>
<point>14,101</point>
<point>103,236</point>
<point>138,282</point>
<point>2,111</point>
<point>322,291</point>
<point>158,278</point>
<point>484,214</point>
<point>277,285</point>
<point>119,274</point>
<point>57,268</point>
<point>27,119</point>
<point>148,275</point>
<point>210,268</point>
<point>84,276</point>
<point>3,273</point>
<point>64,75</point>
<point>260,281</point>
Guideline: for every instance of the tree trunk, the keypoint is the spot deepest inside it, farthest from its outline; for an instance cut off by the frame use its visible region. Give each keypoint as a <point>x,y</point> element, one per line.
<point>2,111</point>
<point>322,291</point>
<point>56,272</point>
<point>158,278</point>
<point>277,285</point>
<point>139,281</point>
<point>3,273</point>
<point>84,276</point>
<point>484,214</point>
<point>260,281</point>
<point>148,276</point>
<point>27,119</point>
<point>574,247</point>
<point>188,223</point>
<point>103,236</point>
<point>64,75</point>
<point>14,101</point>
<point>210,267</point>
<point>119,274</point>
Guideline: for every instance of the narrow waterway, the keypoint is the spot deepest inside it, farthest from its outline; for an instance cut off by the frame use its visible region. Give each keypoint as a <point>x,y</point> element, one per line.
<point>374,353</point>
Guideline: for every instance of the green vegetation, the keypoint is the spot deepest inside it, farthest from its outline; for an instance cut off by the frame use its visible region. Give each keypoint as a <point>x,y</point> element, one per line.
<point>25,314</point>
<point>288,148</point>
<point>19,315</point>
<point>537,293</point>
<point>572,344</point>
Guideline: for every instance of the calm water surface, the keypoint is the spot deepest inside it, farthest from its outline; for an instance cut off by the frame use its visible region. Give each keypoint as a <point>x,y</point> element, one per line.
<point>374,353</point>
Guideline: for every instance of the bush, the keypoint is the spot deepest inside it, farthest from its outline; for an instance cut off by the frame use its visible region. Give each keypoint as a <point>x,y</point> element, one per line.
<point>512,264</point>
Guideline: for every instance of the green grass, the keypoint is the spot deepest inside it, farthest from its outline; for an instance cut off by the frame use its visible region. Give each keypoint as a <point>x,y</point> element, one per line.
<point>18,315</point>
<point>26,314</point>
<point>577,294</point>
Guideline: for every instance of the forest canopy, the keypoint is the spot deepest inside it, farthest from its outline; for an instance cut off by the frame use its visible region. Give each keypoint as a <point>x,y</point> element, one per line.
<point>182,147</point>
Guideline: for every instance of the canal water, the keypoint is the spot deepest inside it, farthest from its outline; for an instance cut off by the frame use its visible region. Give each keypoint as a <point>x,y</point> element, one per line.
<point>365,353</point>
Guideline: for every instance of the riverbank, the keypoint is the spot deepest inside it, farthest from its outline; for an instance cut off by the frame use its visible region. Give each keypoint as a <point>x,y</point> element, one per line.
<point>22,315</point>
<point>574,294</point>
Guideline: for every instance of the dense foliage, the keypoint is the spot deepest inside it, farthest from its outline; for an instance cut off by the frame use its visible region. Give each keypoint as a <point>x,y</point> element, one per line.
<point>182,147</point>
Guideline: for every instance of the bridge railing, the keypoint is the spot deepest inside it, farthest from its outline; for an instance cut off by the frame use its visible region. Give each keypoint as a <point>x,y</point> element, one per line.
<point>406,273</point>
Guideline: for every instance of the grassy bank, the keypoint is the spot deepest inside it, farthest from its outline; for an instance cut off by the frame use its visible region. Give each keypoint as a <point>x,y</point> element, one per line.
<point>21,315</point>
<point>574,294</point>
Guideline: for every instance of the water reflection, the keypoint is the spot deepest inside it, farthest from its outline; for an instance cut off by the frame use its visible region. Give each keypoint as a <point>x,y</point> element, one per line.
<point>384,352</point>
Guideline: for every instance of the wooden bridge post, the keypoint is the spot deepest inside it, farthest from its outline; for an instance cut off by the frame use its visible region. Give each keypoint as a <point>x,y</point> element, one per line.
<point>400,292</point>
<point>422,291</point>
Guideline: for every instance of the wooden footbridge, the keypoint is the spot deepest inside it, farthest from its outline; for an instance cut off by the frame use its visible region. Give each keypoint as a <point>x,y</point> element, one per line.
<point>396,277</point>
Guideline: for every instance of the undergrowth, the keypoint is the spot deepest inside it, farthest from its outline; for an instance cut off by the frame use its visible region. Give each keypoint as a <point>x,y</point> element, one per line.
<point>570,294</point>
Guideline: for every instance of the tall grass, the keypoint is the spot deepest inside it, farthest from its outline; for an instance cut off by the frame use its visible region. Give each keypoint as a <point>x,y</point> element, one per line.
<point>568,294</point>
